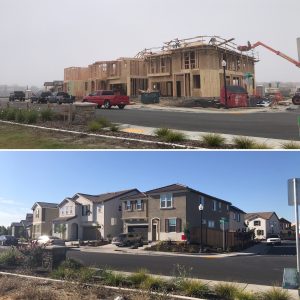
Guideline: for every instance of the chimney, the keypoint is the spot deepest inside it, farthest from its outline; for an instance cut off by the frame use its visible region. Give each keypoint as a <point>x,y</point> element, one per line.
<point>298,47</point>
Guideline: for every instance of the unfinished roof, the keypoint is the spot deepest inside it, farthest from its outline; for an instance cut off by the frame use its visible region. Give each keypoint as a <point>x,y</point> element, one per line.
<point>263,215</point>
<point>176,44</point>
<point>105,197</point>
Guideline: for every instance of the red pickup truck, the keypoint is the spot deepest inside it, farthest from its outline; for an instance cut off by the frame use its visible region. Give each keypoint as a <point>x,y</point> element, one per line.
<point>107,99</point>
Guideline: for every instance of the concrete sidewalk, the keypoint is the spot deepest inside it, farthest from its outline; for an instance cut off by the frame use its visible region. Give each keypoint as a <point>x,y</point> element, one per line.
<point>196,135</point>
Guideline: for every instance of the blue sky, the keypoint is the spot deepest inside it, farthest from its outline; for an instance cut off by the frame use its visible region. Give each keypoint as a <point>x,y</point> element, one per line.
<point>47,36</point>
<point>253,181</point>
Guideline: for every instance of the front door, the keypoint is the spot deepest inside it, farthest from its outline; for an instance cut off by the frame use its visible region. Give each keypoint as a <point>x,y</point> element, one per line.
<point>154,232</point>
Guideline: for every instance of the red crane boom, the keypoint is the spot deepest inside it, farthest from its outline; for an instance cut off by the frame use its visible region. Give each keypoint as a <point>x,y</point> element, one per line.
<point>249,47</point>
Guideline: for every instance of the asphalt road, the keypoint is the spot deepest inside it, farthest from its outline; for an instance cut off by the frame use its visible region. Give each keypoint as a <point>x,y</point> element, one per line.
<point>261,269</point>
<point>281,125</point>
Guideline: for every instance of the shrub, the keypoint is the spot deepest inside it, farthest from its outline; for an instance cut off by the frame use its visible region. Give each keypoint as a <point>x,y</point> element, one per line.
<point>213,140</point>
<point>20,116</point>
<point>193,288</point>
<point>291,145</point>
<point>227,291</point>
<point>33,255</point>
<point>103,122</point>
<point>243,143</point>
<point>47,114</point>
<point>94,126</point>
<point>31,116</point>
<point>137,278</point>
<point>242,295</point>
<point>11,257</point>
<point>174,137</point>
<point>157,284</point>
<point>114,128</point>
<point>262,146</point>
<point>162,132</point>
<point>10,114</point>
<point>112,278</point>
<point>275,294</point>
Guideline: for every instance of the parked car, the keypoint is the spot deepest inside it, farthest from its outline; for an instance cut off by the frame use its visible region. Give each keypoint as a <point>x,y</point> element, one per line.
<point>107,99</point>
<point>274,239</point>
<point>296,98</point>
<point>128,239</point>
<point>41,97</point>
<point>47,240</point>
<point>8,240</point>
<point>17,95</point>
<point>263,103</point>
<point>60,97</point>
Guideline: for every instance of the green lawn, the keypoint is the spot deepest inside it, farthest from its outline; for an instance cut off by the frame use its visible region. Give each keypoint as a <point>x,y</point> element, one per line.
<point>19,137</point>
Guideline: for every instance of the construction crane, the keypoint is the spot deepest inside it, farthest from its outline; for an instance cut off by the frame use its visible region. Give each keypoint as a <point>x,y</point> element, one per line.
<point>250,47</point>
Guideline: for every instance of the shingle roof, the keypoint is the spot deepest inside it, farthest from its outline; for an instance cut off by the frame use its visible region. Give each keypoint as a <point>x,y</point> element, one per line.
<point>283,220</point>
<point>16,224</point>
<point>106,196</point>
<point>237,209</point>
<point>46,205</point>
<point>63,219</point>
<point>181,187</point>
<point>264,215</point>
<point>138,195</point>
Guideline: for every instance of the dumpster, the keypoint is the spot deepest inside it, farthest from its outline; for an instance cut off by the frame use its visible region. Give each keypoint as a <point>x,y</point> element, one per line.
<point>150,97</point>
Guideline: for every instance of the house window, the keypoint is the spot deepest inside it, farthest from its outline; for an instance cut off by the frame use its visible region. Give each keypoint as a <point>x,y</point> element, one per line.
<point>220,205</point>
<point>56,228</point>
<point>163,65</point>
<point>67,210</point>
<point>166,201</point>
<point>113,221</point>
<point>172,225</point>
<point>201,201</point>
<point>197,82</point>
<point>86,210</point>
<point>259,232</point>
<point>211,224</point>
<point>203,221</point>
<point>238,217</point>
<point>71,210</point>
<point>214,205</point>
<point>127,205</point>
<point>62,211</point>
<point>100,208</point>
<point>37,212</point>
<point>256,223</point>
<point>139,204</point>
<point>227,207</point>
<point>234,216</point>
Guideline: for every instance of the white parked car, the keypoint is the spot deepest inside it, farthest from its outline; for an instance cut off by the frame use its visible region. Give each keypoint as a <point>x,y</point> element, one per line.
<point>50,240</point>
<point>274,239</point>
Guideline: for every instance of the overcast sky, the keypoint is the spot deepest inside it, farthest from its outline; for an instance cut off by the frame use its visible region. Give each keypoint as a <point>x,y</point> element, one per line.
<point>253,181</point>
<point>40,38</point>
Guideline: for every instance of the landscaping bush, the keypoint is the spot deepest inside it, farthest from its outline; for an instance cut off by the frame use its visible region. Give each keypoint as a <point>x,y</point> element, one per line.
<point>10,114</point>
<point>193,288</point>
<point>47,114</point>
<point>20,116</point>
<point>103,122</point>
<point>114,128</point>
<point>11,257</point>
<point>94,126</point>
<point>31,116</point>
<point>275,294</point>
<point>113,279</point>
<point>33,255</point>
<point>291,145</point>
<point>243,143</point>
<point>227,291</point>
<point>137,278</point>
<point>213,140</point>
<point>157,284</point>
<point>169,136</point>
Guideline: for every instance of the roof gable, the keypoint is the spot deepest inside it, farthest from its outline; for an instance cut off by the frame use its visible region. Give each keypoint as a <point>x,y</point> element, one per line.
<point>263,215</point>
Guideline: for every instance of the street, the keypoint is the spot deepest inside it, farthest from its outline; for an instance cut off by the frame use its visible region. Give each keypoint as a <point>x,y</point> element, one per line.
<point>264,269</point>
<point>263,124</point>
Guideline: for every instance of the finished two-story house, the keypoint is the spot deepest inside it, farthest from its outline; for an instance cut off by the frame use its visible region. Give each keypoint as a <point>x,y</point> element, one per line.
<point>90,217</point>
<point>43,215</point>
<point>165,212</point>
<point>263,223</point>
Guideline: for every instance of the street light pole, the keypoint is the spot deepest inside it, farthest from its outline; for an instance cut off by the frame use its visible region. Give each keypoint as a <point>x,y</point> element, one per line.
<point>201,207</point>
<point>225,84</point>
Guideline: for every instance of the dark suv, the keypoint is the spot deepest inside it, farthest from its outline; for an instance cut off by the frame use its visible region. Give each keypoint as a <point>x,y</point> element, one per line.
<point>8,240</point>
<point>17,95</point>
<point>40,97</point>
<point>60,97</point>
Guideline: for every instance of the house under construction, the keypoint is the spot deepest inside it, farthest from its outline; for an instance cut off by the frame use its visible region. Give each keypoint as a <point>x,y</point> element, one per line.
<point>180,68</point>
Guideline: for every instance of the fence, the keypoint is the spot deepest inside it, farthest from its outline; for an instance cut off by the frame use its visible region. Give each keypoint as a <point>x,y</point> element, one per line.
<point>214,238</point>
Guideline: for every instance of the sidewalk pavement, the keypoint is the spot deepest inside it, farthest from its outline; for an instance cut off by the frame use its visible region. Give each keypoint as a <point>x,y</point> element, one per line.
<point>196,135</point>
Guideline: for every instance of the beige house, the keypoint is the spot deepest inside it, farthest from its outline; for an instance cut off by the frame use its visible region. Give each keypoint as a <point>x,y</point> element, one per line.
<point>43,215</point>
<point>263,224</point>
<point>90,217</point>
<point>165,212</point>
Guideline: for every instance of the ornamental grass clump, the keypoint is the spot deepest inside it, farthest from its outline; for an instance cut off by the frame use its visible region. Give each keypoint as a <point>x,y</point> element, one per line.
<point>275,294</point>
<point>47,115</point>
<point>193,288</point>
<point>227,291</point>
<point>94,126</point>
<point>243,143</point>
<point>20,116</point>
<point>11,258</point>
<point>31,116</point>
<point>169,136</point>
<point>137,278</point>
<point>291,145</point>
<point>213,140</point>
<point>162,132</point>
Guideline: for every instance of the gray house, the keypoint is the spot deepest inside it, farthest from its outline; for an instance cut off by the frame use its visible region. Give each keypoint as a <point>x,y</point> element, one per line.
<point>165,212</point>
